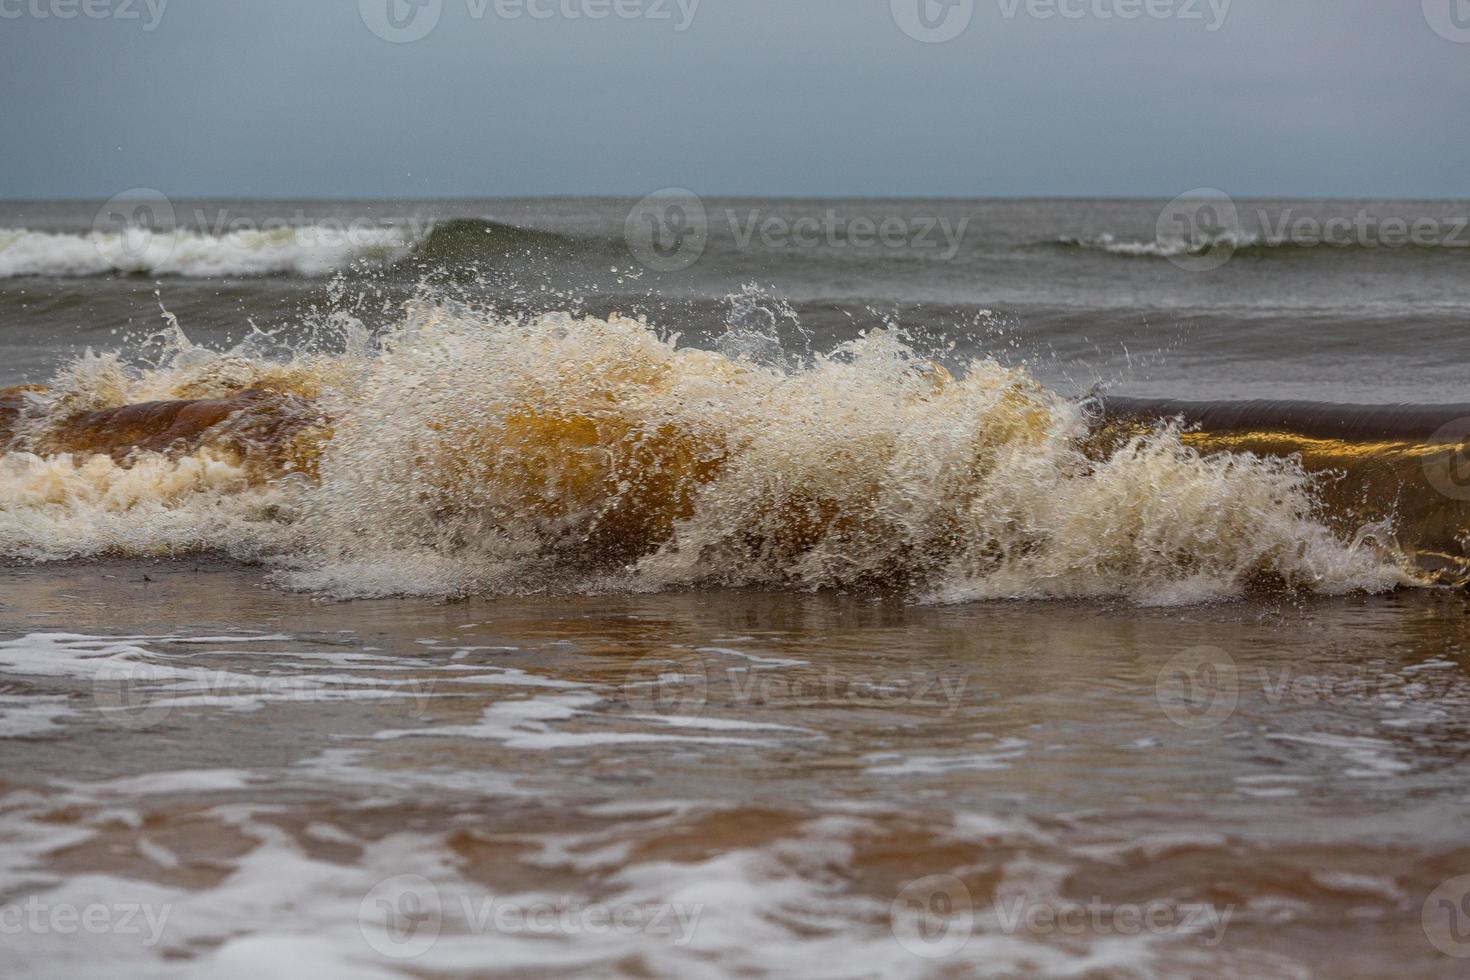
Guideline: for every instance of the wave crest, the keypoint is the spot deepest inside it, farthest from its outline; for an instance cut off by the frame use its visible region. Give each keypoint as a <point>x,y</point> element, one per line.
<point>472,453</point>
<point>314,250</point>
<point>1245,243</point>
<point>308,250</point>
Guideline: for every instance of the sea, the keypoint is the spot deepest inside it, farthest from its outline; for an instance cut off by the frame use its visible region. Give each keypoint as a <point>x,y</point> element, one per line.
<point>702,587</point>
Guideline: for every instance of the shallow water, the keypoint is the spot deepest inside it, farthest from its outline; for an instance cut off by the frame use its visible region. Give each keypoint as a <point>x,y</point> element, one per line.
<point>724,782</point>
<point>708,671</point>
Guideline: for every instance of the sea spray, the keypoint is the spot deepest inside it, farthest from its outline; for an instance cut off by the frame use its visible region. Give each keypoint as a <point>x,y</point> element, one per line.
<point>473,453</point>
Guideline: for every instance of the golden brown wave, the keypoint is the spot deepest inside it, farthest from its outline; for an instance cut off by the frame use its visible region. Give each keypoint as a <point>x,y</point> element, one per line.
<point>473,453</point>
<point>1404,464</point>
<point>273,432</point>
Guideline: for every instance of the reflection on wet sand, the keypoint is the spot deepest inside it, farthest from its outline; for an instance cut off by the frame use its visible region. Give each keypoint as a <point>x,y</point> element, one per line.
<point>757,782</point>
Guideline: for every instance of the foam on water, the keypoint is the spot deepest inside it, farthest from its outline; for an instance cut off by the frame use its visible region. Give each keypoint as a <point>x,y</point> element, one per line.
<point>31,716</point>
<point>307,251</point>
<point>1258,245</point>
<point>787,905</point>
<point>529,724</point>
<point>1161,248</point>
<point>474,453</point>
<point>315,842</point>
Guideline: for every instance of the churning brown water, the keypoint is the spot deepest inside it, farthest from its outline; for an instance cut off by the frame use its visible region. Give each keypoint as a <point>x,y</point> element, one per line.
<point>725,783</point>
<point>667,662</point>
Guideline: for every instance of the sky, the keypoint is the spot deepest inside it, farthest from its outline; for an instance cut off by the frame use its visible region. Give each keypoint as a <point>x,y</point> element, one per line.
<point>955,98</point>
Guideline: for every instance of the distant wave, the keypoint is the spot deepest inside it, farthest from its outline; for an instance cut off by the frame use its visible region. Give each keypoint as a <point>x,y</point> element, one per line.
<point>468,239</point>
<point>314,250</point>
<point>470,244</point>
<point>1242,243</point>
<point>1154,249</point>
<point>307,251</point>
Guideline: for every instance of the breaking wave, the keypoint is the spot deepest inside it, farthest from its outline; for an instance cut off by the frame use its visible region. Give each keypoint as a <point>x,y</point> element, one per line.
<point>463,242</point>
<point>308,251</point>
<point>466,452</point>
<point>1248,244</point>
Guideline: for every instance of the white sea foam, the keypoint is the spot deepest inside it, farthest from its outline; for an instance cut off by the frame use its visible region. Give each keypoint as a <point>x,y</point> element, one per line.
<point>772,908</point>
<point>530,724</point>
<point>305,251</point>
<point>134,682</point>
<point>471,453</point>
<point>25,716</point>
<point>999,757</point>
<point>1164,248</point>
<point>1368,758</point>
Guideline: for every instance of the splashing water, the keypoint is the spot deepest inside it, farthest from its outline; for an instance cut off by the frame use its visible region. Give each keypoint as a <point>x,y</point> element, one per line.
<point>470,452</point>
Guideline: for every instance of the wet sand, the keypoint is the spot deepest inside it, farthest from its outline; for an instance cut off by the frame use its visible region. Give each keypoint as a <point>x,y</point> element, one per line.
<point>725,783</point>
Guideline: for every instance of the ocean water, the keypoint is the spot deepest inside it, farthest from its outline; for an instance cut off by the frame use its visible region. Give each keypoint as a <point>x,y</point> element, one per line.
<point>734,588</point>
<point>1080,290</point>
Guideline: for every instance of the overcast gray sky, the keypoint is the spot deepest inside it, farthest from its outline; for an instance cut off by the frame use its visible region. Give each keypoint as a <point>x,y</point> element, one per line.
<point>754,97</point>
